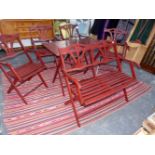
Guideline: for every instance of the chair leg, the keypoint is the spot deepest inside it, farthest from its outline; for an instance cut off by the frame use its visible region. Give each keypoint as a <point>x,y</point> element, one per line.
<point>56,72</point>
<point>43,81</point>
<point>125,94</point>
<point>11,86</point>
<point>18,92</point>
<point>61,83</point>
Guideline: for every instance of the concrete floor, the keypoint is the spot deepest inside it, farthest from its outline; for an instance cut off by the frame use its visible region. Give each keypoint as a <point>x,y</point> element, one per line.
<point>122,122</point>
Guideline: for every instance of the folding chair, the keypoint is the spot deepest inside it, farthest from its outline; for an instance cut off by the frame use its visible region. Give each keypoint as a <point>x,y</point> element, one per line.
<point>41,34</point>
<point>119,36</point>
<point>25,72</point>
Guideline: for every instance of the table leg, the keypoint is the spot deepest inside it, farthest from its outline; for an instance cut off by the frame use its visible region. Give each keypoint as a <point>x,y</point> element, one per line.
<point>57,70</point>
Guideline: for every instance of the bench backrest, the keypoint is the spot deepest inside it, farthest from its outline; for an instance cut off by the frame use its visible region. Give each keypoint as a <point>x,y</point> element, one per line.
<point>73,57</point>
<point>42,32</point>
<point>86,56</point>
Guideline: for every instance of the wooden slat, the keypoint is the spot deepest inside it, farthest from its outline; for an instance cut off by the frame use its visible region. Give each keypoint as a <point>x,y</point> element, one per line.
<point>98,88</point>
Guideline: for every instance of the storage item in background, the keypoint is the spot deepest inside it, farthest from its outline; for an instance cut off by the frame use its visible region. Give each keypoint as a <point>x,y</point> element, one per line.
<point>148,126</point>
<point>148,62</point>
<point>120,37</point>
<point>84,25</point>
<point>68,31</point>
<point>142,30</point>
<point>42,32</point>
<point>137,50</point>
<point>21,26</point>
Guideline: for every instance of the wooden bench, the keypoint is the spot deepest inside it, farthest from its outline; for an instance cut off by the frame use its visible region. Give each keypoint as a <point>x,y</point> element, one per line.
<point>98,86</point>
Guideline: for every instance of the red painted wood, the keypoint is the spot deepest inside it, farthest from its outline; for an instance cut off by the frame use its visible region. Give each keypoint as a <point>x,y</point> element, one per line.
<point>69,29</point>
<point>19,75</point>
<point>43,37</point>
<point>98,87</point>
<point>8,42</point>
<point>115,34</point>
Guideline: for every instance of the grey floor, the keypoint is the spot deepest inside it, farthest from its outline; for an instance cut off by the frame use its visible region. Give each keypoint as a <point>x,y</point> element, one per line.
<point>124,121</point>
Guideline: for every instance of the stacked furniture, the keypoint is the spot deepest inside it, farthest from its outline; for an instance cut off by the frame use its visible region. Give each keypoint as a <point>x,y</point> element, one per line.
<point>22,26</point>
<point>148,126</point>
<point>137,50</point>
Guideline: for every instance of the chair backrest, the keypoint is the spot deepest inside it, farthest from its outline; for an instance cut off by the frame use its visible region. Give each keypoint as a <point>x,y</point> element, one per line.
<point>8,43</point>
<point>42,32</point>
<point>67,31</point>
<point>117,34</point>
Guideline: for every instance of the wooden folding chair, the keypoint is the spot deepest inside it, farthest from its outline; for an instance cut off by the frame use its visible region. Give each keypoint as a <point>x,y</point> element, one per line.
<point>119,36</point>
<point>25,72</point>
<point>41,34</point>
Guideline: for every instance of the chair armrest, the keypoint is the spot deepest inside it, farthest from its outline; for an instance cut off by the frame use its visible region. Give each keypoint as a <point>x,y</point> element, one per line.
<point>74,80</point>
<point>131,63</point>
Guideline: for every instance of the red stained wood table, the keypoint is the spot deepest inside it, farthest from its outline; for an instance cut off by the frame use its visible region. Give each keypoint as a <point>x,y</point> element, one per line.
<point>53,47</point>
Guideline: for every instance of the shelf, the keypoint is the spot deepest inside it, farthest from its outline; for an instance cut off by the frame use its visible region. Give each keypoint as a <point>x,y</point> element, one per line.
<point>22,26</point>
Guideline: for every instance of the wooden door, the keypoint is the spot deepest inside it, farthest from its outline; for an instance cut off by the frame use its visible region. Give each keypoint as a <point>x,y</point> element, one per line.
<point>148,62</point>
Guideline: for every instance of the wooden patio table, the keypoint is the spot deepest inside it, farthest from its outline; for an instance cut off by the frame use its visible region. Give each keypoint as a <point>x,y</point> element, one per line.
<point>55,45</point>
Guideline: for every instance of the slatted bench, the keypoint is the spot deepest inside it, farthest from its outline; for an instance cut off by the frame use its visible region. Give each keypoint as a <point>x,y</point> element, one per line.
<point>98,86</point>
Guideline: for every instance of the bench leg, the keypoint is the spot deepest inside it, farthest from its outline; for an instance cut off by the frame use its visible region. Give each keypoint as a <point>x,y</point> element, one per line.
<point>72,103</point>
<point>69,101</point>
<point>60,78</point>
<point>74,110</point>
<point>125,95</point>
